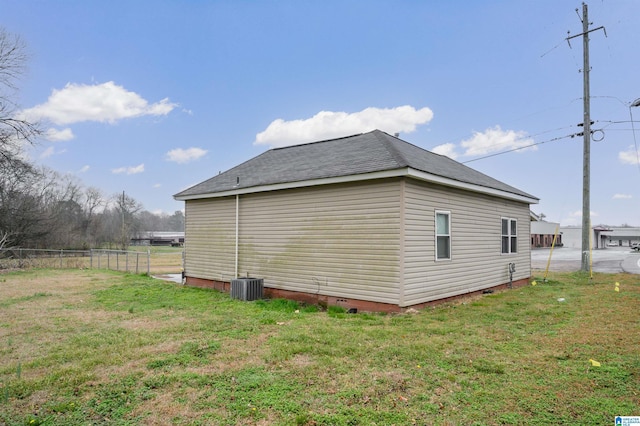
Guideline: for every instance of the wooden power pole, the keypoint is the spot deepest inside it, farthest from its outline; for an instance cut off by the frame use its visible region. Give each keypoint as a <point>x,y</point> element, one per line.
<point>586,158</point>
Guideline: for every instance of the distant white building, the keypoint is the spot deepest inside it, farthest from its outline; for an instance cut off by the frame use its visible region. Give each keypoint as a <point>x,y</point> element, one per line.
<point>624,236</point>
<point>601,236</point>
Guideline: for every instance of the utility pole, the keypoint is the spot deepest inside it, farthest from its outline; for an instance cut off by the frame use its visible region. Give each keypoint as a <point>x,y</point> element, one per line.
<point>586,149</point>
<point>586,158</point>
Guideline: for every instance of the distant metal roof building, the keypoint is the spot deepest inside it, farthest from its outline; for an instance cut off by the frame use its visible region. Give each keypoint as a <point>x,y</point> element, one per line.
<point>572,235</point>
<point>624,233</point>
<point>158,238</point>
<point>372,155</point>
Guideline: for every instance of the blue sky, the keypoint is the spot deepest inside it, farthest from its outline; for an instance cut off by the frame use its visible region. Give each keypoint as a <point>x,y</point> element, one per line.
<point>151,97</point>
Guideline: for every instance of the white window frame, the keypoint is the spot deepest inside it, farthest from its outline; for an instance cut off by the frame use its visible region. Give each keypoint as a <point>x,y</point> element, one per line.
<point>511,236</point>
<point>447,235</point>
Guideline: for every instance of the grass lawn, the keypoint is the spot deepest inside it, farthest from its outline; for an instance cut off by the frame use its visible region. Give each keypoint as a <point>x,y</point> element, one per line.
<point>100,347</point>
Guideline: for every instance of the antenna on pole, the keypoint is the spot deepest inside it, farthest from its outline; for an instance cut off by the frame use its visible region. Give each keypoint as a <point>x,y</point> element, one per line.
<point>586,159</point>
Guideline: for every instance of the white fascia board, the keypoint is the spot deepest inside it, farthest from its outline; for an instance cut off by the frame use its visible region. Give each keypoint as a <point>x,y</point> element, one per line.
<point>403,172</point>
<point>428,177</point>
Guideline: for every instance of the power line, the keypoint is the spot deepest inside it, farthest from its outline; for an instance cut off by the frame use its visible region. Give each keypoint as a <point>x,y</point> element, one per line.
<point>523,147</point>
<point>571,136</point>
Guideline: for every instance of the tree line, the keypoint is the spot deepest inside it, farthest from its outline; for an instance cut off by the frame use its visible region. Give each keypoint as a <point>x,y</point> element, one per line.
<point>41,208</point>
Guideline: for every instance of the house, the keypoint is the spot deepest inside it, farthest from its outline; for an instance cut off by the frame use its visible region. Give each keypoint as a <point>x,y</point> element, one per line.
<point>366,221</point>
<point>543,232</point>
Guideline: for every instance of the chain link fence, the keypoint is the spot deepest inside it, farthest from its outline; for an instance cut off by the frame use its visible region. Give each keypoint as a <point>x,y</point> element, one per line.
<point>117,260</point>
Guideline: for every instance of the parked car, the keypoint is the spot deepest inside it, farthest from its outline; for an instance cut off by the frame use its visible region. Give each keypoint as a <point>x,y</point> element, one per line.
<point>635,246</point>
<point>612,244</point>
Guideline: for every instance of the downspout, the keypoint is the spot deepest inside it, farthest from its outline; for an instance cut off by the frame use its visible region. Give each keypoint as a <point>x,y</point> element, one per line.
<point>237,225</point>
<point>403,238</point>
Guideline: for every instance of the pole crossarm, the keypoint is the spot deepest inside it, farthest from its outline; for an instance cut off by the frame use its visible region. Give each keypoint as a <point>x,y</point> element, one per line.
<point>587,32</point>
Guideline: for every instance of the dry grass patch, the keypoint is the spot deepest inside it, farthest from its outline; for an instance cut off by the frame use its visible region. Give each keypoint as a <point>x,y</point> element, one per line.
<point>171,406</point>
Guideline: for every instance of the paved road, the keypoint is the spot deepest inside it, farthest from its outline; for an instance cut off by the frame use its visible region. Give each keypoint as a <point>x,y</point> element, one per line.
<point>610,259</point>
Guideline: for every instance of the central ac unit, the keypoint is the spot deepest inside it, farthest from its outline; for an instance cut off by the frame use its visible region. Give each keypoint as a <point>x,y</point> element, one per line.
<point>247,288</point>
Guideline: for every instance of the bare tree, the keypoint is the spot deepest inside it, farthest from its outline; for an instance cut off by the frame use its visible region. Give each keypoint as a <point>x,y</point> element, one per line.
<point>61,197</point>
<point>128,208</point>
<point>150,222</point>
<point>17,208</point>
<point>4,236</point>
<point>14,130</point>
<point>23,217</point>
<point>176,221</point>
<point>93,201</point>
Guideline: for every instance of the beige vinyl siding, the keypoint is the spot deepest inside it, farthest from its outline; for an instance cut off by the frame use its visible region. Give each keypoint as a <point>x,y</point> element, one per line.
<point>476,260</point>
<point>341,240</point>
<point>210,238</point>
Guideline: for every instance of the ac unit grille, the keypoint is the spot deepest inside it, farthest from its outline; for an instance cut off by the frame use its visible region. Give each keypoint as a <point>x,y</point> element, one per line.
<point>247,288</point>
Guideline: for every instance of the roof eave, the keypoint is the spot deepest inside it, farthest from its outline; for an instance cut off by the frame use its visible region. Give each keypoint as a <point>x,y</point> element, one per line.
<point>428,177</point>
<point>299,184</point>
<point>402,172</point>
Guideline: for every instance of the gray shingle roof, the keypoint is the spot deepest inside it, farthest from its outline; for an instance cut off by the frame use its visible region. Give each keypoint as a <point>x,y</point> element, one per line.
<point>375,151</point>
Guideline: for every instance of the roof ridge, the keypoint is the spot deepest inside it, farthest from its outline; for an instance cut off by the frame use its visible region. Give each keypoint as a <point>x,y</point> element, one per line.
<point>390,147</point>
<point>314,142</point>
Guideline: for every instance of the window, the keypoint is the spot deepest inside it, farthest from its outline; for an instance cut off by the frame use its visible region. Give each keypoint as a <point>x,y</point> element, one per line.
<point>509,236</point>
<point>443,235</point>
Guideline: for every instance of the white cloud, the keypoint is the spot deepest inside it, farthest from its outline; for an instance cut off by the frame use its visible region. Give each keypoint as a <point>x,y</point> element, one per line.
<point>129,170</point>
<point>48,152</point>
<point>448,149</point>
<point>630,156</point>
<point>84,169</point>
<point>622,197</point>
<point>182,156</point>
<point>157,185</point>
<point>329,124</point>
<point>55,135</point>
<point>106,102</point>
<point>495,140</point>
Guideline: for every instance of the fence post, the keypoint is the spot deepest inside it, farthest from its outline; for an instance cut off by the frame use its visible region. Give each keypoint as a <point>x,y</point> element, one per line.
<point>60,258</point>
<point>127,262</point>
<point>137,261</point>
<point>109,259</point>
<point>148,262</point>
<point>90,258</point>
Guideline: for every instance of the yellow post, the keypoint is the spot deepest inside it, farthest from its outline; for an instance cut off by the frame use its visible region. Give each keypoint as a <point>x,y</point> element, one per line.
<point>553,244</point>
